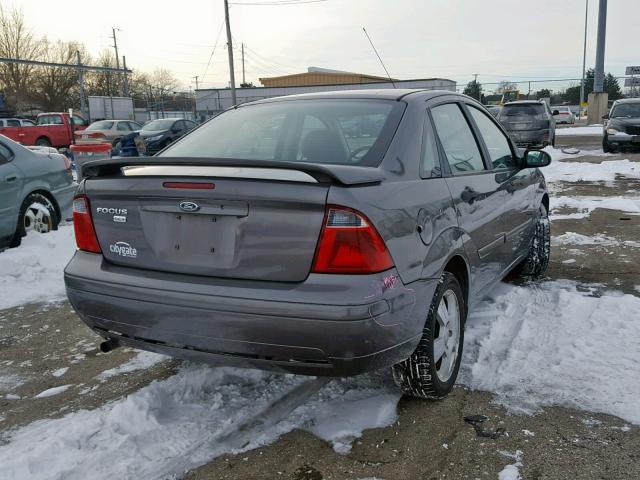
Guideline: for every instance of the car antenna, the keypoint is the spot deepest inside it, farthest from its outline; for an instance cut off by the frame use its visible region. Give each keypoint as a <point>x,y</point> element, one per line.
<point>378,55</point>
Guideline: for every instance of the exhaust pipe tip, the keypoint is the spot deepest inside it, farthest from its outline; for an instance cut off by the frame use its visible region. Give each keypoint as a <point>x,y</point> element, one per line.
<point>108,345</point>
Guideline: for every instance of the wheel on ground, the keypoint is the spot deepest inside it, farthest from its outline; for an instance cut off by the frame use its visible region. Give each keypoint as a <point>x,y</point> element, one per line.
<point>117,144</point>
<point>606,146</point>
<point>37,214</point>
<point>537,261</point>
<point>431,371</point>
<point>43,142</point>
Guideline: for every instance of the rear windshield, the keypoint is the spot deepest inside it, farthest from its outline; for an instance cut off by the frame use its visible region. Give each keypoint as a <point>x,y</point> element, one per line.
<point>100,126</point>
<point>523,109</point>
<point>628,110</point>
<point>348,132</point>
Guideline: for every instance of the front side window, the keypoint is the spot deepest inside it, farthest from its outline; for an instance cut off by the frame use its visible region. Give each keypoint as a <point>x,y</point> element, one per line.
<point>454,132</point>
<point>349,132</point>
<point>496,142</point>
<point>13,123</point>
<point>5,154</point>
<point>123,126</point>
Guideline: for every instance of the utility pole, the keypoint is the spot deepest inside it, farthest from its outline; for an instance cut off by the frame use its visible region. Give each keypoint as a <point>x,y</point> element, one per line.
<point>196,79</point>
<point>126,80</point>
<point>598,100</point>
<point>243,80</point>
<point>83,105</point>
<point>115,45</point>
<point>230,52</point>
<point>598,81</point>
<point>584,57</point>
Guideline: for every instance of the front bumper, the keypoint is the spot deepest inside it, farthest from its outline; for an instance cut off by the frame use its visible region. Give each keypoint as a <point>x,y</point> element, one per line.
<point>329,325</point>
<point>624,140</point>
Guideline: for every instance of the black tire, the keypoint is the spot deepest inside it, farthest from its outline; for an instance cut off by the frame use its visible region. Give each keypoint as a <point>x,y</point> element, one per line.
<point>418,376</point>
<point>39,208</point>
<point>606,146</point>
<point>116,144</point>
<point>43,142</point>
<point>537,261</point>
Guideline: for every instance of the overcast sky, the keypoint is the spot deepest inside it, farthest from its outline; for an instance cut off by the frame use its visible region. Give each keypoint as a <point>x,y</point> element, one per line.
<point>497,39</point>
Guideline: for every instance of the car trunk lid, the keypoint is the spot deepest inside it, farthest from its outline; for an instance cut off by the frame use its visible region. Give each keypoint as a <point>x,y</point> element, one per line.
<point>202,219</point>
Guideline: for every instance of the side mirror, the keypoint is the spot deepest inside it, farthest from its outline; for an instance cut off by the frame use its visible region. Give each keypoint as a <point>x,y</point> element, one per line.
<point>556,112</point>
<point>536,159</point>
<point>605,116</point>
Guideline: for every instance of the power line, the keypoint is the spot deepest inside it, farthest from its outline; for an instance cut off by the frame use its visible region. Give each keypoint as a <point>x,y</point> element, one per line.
<point>215,45</point>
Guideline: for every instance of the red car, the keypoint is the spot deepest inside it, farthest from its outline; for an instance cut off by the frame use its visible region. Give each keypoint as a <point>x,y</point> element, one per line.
<point>51,130</point>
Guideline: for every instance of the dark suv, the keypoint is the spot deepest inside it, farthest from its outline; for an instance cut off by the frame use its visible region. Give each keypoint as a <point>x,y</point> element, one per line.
<point>622,125</point>
<point>530,123</point>
<point>278,236</point>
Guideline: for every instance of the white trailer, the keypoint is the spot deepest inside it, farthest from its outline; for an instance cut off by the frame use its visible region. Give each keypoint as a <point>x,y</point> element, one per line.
<point>112,108</point>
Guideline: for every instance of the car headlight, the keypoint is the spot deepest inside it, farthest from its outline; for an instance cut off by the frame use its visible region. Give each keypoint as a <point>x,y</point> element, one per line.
<point>612,131</point>
<point>154,139</point>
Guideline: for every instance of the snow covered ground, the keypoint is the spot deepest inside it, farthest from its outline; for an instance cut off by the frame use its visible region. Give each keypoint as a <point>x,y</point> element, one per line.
<point>588,130</point>
<point>33,272</point>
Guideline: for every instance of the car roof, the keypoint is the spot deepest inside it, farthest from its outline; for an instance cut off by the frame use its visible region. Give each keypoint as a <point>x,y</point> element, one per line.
<point>627,100</point>
<point>525,102</point>
<point>381,93</point>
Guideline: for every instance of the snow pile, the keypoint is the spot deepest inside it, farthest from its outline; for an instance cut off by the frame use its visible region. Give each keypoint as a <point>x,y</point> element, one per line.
<point>142,361</point>
<point>188,419</point>
<point>572,238</point>
<point>588,130</point>
<point>586,205</point>
<point>33,271</point>
<point>53,391</point>
<point>606,171</point>
<point>511,472</point>
<point>552,344</point>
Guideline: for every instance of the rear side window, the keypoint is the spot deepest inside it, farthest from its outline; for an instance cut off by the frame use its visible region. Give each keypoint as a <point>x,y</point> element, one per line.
<point>123,126</point>
<point>5,154</point>
<point>496,142</point>
<point>348,132</point>
<point>458,142</point>
<point>13,123</point>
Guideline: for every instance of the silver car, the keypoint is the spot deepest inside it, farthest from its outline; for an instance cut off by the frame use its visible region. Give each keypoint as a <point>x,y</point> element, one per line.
<point>112,131</point>
<point>36,191</point>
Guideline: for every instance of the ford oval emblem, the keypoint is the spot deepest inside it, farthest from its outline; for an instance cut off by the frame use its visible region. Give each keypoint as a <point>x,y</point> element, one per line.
<point>189,206</point>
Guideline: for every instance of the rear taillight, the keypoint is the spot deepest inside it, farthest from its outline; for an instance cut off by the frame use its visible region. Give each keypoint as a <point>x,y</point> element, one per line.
<point>350,244</point>
<point>83,225</point>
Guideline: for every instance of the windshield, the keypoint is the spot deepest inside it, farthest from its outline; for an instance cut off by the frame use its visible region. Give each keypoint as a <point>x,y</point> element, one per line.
<point>156,125</point>
<point>352,132</point>
<point>525,109</point>
<point>105,125</point>
<point>628,110</point>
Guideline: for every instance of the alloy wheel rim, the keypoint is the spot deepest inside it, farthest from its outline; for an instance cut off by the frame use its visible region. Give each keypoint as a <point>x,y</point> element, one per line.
<point>37,218</point>
<point>446,342</point>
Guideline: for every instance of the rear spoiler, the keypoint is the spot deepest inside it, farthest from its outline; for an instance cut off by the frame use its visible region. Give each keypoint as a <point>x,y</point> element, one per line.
<point>347,175</point>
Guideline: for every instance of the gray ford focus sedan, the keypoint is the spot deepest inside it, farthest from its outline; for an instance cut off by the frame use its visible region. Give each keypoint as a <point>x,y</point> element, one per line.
<point>324,234</point>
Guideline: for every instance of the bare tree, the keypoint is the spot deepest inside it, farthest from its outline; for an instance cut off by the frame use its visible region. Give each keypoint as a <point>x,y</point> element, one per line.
<point>163,82</point>
<point>56,88</point>
<point>17,41</point>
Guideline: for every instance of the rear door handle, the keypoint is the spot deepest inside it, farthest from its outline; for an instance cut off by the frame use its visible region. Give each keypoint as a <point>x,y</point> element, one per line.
<point>11,178</point>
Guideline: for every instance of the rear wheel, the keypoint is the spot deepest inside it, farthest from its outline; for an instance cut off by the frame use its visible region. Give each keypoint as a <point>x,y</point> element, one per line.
<point>432,369</point>
<point>43,142</point>
<point>537,261</point>
<point>37,214</point>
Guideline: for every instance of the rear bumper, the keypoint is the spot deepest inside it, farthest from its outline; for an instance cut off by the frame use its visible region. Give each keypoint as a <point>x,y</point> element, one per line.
<point>330,325</point>
<point>530,137</point>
